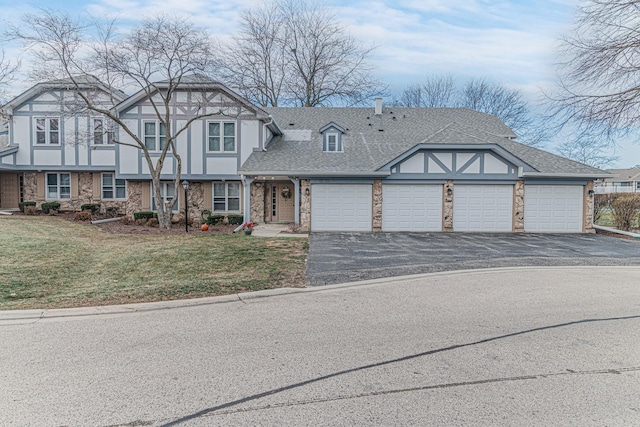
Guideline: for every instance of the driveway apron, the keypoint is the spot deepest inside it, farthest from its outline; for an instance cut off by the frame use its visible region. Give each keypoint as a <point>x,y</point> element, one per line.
<point>345,257</point>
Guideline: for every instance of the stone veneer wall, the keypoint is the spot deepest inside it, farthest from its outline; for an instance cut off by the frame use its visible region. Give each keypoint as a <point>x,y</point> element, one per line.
<point>257,202</point>
<point>588,209</point>
<point>447,207</point>
<point>377,205</point>
<point>518,206</point>
<point>30,187</point>
<point>305,205</point>
<point>134,197</point>
<point>85,192</point>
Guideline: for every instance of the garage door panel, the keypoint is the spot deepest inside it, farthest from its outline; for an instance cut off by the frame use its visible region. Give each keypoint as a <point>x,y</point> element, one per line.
<point>415,207</point>
<point>341,207</point>
<point>553,208</point>
<point>482,207</point>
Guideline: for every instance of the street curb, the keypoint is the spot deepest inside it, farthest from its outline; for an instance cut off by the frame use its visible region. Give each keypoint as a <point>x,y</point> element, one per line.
<point>8,317</point>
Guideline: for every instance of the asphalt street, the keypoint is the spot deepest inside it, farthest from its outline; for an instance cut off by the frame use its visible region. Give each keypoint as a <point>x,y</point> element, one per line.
<point>542,346</point>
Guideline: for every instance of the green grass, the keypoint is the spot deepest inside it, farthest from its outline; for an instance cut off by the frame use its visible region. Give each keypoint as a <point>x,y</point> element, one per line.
<point>606,220</point>
<point>48,262</point>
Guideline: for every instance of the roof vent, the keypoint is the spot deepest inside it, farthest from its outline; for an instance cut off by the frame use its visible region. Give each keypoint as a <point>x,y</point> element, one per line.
<point>378,109</point>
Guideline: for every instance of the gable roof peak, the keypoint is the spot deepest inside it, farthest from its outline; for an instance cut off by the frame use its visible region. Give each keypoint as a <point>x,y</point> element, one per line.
<point>332,125</point>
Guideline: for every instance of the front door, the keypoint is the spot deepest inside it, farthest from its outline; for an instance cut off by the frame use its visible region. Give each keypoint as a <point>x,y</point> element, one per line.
<point>9,191</point>
<point>283,202</point>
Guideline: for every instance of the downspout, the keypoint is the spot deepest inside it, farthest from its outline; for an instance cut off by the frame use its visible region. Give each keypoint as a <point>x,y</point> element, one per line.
<point>247,198</point>
<point>296,206</point>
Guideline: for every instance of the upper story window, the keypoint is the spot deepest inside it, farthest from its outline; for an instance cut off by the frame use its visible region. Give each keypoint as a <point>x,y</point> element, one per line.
<point>332,143</point>
<point>113,188</point>
<point>221,137</point>
<point>102,131</point>
<point>47,130</point>
<point>58,186</point>
<point>155,135</point>
<point>332,138</point>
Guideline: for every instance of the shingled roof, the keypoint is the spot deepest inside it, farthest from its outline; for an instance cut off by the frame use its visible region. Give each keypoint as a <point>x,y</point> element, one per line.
<point>371,141</point>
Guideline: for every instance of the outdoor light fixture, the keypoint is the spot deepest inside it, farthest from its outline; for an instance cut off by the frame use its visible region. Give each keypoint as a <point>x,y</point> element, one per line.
<point>185,185</point>
<point>591,192</point>
<point>306,191</point>
<point>449,191</point>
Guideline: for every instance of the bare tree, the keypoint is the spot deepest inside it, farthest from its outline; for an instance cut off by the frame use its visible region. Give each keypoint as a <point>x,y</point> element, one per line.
<point>436,91</point>
<point>256,62</point>
<point>160,57</point>
<point>7,74</point>
<point>292,52</point>
<point>590,151</point>
<point>481,95</point>
<point>598,85</point>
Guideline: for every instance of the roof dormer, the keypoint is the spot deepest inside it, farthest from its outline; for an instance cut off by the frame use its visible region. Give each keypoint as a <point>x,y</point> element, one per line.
<point>332,138</point>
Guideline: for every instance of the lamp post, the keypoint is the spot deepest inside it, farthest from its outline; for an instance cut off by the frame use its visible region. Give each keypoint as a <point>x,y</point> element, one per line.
<point>185,185</point>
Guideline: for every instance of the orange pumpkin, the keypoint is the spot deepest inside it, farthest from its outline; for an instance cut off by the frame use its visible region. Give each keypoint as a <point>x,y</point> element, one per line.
<point>204,227</point>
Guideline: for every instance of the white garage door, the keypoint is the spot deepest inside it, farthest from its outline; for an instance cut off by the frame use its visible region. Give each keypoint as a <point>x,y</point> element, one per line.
<point>482,207</point>
<point>341,207</point>
<point>553,208</point>
<point>412,208</point>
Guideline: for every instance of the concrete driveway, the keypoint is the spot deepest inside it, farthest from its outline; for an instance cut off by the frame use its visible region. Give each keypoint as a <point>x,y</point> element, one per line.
<point>346,257</point>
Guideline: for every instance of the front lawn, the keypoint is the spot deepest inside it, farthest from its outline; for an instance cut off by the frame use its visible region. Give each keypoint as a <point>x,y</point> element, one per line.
<point>48,262</point>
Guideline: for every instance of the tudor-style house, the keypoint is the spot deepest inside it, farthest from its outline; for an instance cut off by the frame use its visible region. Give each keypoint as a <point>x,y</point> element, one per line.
<point>325,169</point>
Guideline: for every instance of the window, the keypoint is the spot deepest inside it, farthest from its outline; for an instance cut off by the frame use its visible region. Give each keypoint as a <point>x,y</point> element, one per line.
<point>226,197</point>
<point>332,143</point>
<point>113,188</point>
<point>47,131</point>
<point>155,136</point>
<point>168,192</point>
<point>221,137</point>
<point>58,186</point>
<point>102,132</point>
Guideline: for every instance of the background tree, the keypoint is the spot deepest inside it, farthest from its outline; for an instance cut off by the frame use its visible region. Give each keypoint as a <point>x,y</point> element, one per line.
<point>162,49</point>
<point>598,86</point>
<point>481,95</point>
<point>296,53</point>
<point>8,70</point>
<point>590,151</point>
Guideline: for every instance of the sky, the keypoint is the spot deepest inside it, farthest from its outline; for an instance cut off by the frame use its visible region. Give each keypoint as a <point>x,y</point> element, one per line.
<point>509,42</point>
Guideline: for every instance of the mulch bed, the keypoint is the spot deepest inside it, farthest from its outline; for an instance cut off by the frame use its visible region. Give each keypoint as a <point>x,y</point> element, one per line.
<point>118,227</point>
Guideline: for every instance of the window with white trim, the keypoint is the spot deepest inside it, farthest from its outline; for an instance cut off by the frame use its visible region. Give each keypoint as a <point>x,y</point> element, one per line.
<point>332,143</point>
<point>226,197</point>
<point>221,137</point>
<point>167,192</point>
<point>113,188</point>
<point>155,135</point>
<point>47,130</point>
<point>102,131</point>
<point>58,186</point>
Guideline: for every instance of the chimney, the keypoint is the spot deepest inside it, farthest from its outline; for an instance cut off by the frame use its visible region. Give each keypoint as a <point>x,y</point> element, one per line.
<point>378,109</point>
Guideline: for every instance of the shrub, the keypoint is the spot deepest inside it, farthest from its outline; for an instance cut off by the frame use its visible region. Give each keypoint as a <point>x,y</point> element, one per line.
<point>153,222</point>
<point>29,210</point>
<point>235,219</point>
<point>85,215</point>
<point>111,212</point>
<point>126,220</point>
<point>625,210</point>
<point>22,205</point>
<point>93,207</point>
<point>602,204</point>
<point>50,206</point>
<point>145,215</point>
<point>214,219</point>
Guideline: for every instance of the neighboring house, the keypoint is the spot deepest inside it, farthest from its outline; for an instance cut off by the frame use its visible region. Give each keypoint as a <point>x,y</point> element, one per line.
<point>325,169</point>
<point>622,181</point>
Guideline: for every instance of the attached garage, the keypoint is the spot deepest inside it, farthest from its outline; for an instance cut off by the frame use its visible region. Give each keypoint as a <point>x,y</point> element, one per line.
<point>482,207</point>
<point>341,207</point>
<point>553,208</point>
<point>411,207</point>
